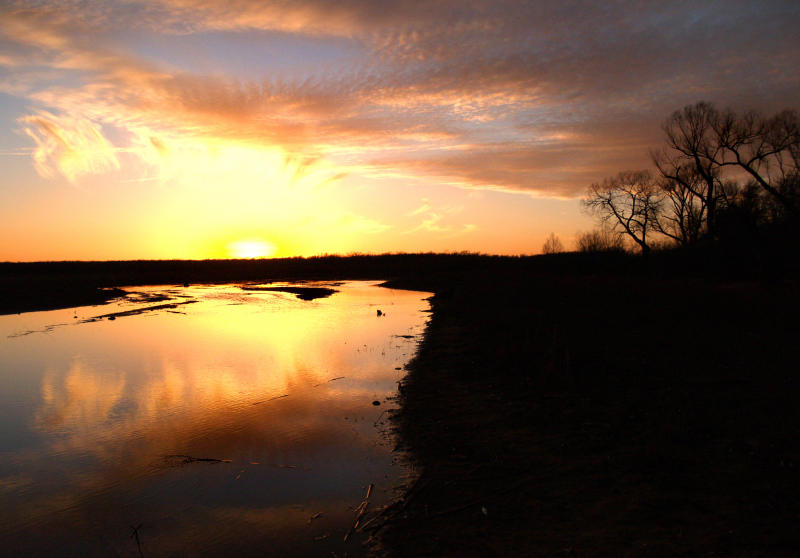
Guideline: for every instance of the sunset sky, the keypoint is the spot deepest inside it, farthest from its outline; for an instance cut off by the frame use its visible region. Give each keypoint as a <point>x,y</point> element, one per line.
<point>202,129</point>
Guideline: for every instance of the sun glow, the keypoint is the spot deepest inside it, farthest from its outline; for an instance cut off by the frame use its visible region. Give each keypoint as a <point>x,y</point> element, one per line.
<point>246,249</point>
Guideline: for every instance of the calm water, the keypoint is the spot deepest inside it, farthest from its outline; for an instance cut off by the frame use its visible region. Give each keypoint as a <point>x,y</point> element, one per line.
<point>231,423</point>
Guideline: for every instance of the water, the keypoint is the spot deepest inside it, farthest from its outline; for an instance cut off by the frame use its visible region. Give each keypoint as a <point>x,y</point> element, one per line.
<point>227,422</point>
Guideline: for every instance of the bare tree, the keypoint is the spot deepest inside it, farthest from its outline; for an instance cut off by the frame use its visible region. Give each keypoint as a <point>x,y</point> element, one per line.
<point>552,245</point>
<point>683,218</point>
<point>702,142</point>
<point>767,149</point>
<point>690,161</point>
<point>739,167</point>
<point>629,202</point>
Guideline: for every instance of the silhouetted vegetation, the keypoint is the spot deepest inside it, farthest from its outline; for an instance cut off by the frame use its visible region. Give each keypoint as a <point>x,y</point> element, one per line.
<point>600,240</point>
<point>724,179</point>
<point>629,202</point>
<point>552,245</point>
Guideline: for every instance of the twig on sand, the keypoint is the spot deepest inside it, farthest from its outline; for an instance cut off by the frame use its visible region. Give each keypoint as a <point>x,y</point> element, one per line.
<point>135,536</point>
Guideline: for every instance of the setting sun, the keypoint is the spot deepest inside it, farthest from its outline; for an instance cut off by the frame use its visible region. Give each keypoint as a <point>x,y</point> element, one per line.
<point>248,249</point>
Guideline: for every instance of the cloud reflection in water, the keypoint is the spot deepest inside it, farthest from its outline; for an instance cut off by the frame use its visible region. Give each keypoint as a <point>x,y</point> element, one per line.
<point>278,388</point>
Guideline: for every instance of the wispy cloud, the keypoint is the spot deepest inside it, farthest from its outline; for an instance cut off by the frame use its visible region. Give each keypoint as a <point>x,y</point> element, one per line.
<point>70,146</point>
<point>511,95</point>
<point>424,208</point>
<point>440,221</point>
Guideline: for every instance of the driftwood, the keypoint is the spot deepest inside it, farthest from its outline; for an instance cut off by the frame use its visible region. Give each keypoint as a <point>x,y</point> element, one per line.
<point>360,511</point>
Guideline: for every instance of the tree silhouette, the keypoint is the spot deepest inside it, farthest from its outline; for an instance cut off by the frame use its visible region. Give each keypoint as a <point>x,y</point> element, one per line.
<point>685,207</point>
<point>629,202</point>
<point>703,142</point>
<point>689,161</point>
<point>708,153</point>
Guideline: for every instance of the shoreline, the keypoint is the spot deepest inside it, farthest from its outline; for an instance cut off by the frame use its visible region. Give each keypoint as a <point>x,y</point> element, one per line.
<point>557,408</point>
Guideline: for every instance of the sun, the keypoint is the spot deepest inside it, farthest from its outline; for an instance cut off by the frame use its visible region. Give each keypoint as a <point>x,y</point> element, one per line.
<point>248,249</point>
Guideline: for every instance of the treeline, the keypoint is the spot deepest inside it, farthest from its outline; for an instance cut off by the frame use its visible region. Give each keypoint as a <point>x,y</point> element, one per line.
<point>723,180</point>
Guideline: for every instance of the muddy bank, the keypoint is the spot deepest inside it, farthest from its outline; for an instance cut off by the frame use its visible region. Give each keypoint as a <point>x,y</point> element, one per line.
<point>601,416</point>
<point>37,295</point>
<point>303,293</point>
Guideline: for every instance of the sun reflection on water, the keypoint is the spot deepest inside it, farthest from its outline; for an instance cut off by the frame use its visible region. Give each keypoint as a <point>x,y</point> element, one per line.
<point>278,389</point>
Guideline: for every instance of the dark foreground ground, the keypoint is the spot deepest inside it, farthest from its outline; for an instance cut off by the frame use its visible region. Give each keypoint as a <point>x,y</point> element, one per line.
<point>571,406</point>
<point>603,415</point>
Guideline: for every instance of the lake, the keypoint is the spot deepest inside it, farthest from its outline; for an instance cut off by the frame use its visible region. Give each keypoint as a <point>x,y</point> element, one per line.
<point>202,420</point>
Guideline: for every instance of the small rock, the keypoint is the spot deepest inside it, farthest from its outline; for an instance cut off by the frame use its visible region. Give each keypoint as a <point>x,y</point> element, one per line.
<point>376,403</point>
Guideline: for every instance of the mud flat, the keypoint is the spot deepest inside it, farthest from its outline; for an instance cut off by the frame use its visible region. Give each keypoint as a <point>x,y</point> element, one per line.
<point>303,293</point>
<point>601,416</point>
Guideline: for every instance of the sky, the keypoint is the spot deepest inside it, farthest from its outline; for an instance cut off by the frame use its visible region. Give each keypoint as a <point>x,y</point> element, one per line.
<point>192,129</point>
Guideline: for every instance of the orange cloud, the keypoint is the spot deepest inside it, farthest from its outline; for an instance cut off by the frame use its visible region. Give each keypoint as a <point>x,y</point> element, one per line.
<point>458,92</point>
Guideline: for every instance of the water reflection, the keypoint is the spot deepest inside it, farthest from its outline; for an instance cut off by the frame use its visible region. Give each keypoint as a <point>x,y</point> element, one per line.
<point>241,423</point>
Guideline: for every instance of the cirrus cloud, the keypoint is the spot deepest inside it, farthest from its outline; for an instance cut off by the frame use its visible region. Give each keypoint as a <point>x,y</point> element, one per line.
<point>508,95</point>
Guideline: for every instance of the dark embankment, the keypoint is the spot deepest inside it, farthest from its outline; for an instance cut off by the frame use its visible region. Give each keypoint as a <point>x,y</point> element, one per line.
<point>603,414</point>
<point>27,287</point>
